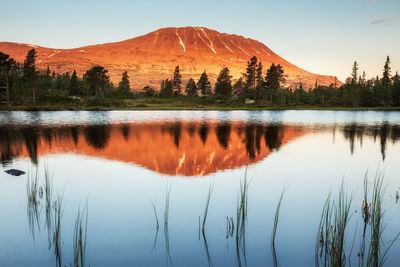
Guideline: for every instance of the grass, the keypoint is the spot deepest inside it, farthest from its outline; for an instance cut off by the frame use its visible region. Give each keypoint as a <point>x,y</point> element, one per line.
<point>276,218</point>
<point>210,190</point>
<point>332,229</point>
<point>155,215</point>
<point>166,208</point>
<point>80,237</point>
<point>173,103</point>
<point>33,211</point>
<point>58,212</point>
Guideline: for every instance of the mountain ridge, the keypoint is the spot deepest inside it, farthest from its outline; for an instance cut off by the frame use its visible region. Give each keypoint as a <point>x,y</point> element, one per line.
<point>152,57</point>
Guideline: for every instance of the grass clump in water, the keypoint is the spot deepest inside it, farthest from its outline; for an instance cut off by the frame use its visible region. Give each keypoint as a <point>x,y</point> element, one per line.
<point>80,237</point>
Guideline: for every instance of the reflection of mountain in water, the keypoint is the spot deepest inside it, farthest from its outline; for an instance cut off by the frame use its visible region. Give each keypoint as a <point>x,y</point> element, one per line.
<point>185,148</point>
<point>171,148</point>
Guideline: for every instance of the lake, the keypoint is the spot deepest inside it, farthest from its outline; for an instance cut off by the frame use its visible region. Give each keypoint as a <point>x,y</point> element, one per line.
<point>126,172</point>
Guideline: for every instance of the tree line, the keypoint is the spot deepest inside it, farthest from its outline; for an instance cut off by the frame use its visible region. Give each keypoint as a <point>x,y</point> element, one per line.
<point>21,82</point>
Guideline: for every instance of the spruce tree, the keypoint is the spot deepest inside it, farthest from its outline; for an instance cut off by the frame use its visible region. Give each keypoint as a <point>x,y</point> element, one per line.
<point>177,81</point>
<point>238,87</point>
<point>73,84</point>
<point>259,80</point>
<point>273,80</point>
<point>223,86</point>
<point>97,79</point>
<point>30,75</point>
<point>386,82</point>
<point>396,90</point>
<point>354,73</point>
<point>6,64</point>
<point>204,85</point>
<point>124,85</point>
<point>166,88</point>
<point>250,74</point>
<point>191,88</point>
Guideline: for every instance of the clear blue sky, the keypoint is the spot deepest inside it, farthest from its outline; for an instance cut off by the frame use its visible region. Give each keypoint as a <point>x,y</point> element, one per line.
<point>321,36</point>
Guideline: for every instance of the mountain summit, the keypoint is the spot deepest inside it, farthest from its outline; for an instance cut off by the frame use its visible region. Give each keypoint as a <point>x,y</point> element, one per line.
<point>153,57</point>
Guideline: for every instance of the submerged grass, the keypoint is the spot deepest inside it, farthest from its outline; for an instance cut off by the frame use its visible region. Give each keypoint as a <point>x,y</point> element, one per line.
<point>33,209</point>
<point>166,208</point>
<point>276,221</point>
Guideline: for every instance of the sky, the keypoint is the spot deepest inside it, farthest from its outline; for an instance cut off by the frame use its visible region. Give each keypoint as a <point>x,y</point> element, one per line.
<point>321,36</point>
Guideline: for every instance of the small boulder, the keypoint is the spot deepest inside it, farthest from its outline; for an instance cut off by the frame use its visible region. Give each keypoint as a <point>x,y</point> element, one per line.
<point>249,101</point>
<point>15,172</point>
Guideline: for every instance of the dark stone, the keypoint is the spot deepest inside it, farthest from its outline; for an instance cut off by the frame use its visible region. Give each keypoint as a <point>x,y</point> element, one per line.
<point>15,172</point>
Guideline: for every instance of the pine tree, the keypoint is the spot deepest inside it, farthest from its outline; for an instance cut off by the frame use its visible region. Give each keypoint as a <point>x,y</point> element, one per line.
<point>273,80</point>
<point>177,81</point>
<point>166,88</point>
<point>97,79</point>
<point>223,86</point>
<point>354,73</point>
<point>396,90</point>
<point>30,75</point>
<point>259,81</point>
<point>6,64</point>
<point>124,85</point>
<point>191,88</point>
<point>238,87</point>
<point>204,85</point>
<point>73,84</point>
<point>386,82</point>
<point>250,74</point>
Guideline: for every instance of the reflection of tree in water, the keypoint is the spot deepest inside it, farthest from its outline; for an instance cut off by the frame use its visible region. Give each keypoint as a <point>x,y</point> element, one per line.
<point>203,132</point>
<point>383,132</point>
<point>223,131</point>
<point>249,137</point>
<point>191,129</point>
<point>174,130</point>
<point>273,136</point>
<point>7,139</point>
<point>97,136</point>
<point>125,130</point>
<point>48,135</point>
<point>31,137</point>
<point>74,131</point>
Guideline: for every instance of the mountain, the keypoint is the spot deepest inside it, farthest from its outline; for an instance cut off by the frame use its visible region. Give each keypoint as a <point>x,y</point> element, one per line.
<point>153,57</point>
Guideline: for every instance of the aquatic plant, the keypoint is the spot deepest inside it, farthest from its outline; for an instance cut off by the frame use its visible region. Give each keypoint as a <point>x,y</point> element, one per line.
<point>33,211</point>
<point>58,212</point>
<point>210,190</point>
<point>166,208</point>
<point>276,221</point>
<point>80,237</point>
<point>334,221</point>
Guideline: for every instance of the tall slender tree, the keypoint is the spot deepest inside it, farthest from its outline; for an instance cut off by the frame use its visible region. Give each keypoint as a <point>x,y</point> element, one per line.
<point>273,80</point>
<point>223,86</point>
<point>259,80</point>
<point>177,81</point>
<point>354,73</point>
<point>6,64</point>
<point>124,86</point>
<point>30,74</point>
<point>73,84</point>
<point>191,88</point>
<point>250,75</point>
<point>386,81</point>
<point>204,85</point>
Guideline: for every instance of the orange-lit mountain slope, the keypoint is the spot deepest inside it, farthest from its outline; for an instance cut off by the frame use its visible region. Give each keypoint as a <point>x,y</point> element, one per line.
<point>153,57</point>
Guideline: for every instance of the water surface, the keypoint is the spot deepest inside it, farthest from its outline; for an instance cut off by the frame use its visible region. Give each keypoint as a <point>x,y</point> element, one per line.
<point>122,161</point>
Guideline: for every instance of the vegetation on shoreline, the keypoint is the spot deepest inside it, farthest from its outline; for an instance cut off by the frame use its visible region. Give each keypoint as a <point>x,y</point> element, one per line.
<point>23,87</point>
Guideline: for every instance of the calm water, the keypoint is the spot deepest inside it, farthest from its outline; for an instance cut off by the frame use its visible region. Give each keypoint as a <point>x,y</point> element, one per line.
<point>120,162</point>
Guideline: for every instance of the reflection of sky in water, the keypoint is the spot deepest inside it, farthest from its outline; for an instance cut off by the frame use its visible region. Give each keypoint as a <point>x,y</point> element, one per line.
<point>121,221</point>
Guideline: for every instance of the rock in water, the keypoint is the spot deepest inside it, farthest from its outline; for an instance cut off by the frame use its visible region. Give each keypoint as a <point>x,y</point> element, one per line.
<point>15,172</point>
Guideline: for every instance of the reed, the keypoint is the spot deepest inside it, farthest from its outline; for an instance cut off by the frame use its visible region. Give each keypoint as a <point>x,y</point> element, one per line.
<point>166,208</point>
<point>210,190</point>
<point>80,237</point>
<point>155,215</point>
<point>334,221</point>
<point>33,203</point>
<point>58,212</point>
<point>276,218</point>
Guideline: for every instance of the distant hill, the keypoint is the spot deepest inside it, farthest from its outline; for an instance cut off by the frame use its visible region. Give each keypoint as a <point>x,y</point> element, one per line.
<point>153,57</point>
